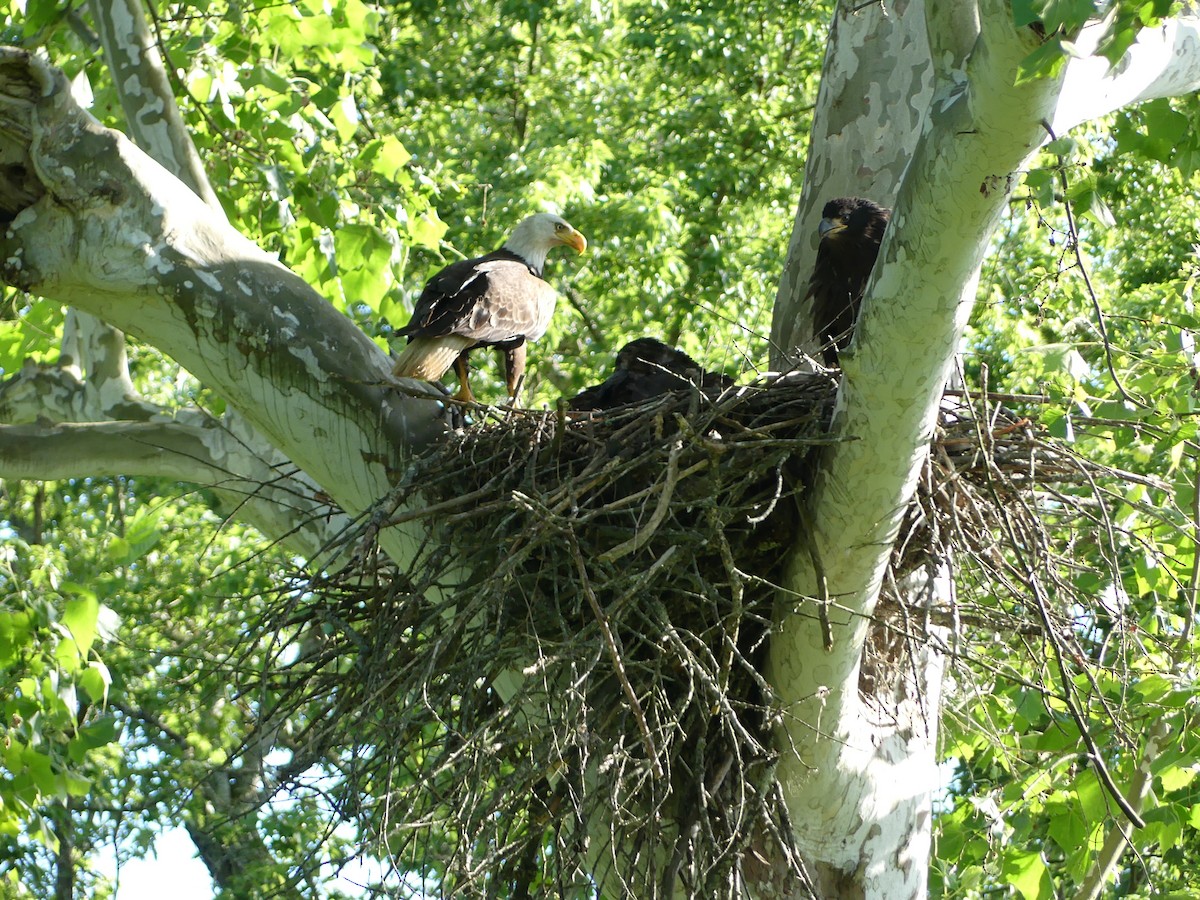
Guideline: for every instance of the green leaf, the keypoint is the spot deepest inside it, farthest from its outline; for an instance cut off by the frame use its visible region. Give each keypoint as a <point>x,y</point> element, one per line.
<point>1065,827</point>
<point>1067,15</point>
<point>95,679</point>
<point>389,156</point>
<point>1026,12</point>
<point>1153,687</point>
<point>39,14</point>
<point>1193,818</point>
<point>1177,777</point>
<point>142,535</point>
<point>15,633</point>
<point>1093,802</point>
<point>267,77</point>
<point>76,785</point>
<point>11,343</point>
<point>40,770</point>
<point>345,118</point>
<point>1044,62</point>
<point>1027,873</point>
<point>99,733</point>
<point>81,615</point>
<point>427,230</point>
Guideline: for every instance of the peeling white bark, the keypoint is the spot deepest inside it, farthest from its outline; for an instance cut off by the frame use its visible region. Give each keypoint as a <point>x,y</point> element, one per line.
<point>146,95</point>
<point>875,88</point>
<point>859,782</point>
<point>54,423</point>
<point>1164,62</point>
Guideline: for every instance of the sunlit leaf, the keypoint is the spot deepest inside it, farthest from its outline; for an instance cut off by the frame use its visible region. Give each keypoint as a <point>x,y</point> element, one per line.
<point>1027,873</point>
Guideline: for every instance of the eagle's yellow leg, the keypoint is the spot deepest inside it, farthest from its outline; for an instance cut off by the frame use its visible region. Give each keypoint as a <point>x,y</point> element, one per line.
<point>463,394</point>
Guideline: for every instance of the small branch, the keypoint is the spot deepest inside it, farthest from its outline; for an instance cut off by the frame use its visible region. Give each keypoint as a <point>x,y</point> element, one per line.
<point>1041,603</point>
<point>1117,839</point>
<point>660,511</point>
<point>1194,581</point>
<point>1073,232</point>
<point>614,652</point>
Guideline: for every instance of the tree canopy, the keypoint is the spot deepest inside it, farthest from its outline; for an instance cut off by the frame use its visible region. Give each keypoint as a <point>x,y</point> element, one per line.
<point>367,145</point>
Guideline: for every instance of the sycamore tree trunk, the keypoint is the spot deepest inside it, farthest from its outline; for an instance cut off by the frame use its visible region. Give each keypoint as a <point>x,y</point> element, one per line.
<point>83,416</point>
<point>92,221</point>
<point>859,787</point>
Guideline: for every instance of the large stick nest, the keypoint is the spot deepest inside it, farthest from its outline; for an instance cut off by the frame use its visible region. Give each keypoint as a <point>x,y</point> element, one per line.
<point>565,685</point>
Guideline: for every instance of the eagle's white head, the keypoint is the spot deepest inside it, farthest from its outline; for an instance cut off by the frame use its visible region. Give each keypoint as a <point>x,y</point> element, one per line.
<point>537,235</point>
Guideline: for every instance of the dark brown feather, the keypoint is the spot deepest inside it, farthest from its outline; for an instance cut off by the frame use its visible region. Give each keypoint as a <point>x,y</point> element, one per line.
<point>845,257</point>
<point>647,368</point>
<point>495,300</point>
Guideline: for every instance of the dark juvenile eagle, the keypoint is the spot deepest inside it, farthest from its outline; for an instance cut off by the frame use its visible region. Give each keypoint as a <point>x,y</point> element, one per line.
<point>497,300</point>
<point>646,368</point>
<point>851,230</point>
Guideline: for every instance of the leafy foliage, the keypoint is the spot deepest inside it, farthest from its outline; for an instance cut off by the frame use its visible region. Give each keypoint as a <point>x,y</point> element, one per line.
<point>1059,22</point>
<point>367,145</point>
<point>1026,808</point>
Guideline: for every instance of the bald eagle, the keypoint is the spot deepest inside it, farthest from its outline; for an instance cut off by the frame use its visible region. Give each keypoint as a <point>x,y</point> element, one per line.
<point>646,368</point>
<point>851,230</point>
<point>497,300</point>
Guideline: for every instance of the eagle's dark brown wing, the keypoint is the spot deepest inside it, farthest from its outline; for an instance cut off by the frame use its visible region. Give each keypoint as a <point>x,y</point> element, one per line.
<point>495,299</point>
<point>836,298</point>
<point>492,299</point>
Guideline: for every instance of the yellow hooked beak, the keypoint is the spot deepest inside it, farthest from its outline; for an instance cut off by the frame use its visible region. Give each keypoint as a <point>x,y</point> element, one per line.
<point>574,239</point>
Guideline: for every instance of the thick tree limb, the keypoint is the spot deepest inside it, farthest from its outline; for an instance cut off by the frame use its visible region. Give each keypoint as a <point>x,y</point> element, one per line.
<point>146,95</point>
<point>273,499</point>
<point>980,129</point>
<point>1164,62</point>
<point>116,235</point>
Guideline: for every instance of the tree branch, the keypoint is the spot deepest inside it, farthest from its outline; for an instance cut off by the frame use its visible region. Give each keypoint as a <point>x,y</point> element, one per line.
<point>1163,62</point>
<point>1117,839</point>
<point>271,496</point>
<point>111,232</point>
<point>150,110</point>
<point>980,128</point>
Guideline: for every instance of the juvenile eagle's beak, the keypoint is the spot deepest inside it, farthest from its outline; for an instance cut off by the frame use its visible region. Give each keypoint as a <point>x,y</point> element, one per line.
<point>830,226</point>
<point>576,240</point>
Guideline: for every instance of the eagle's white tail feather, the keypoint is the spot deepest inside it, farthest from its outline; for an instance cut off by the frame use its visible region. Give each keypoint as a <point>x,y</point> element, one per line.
<point>428,358</point>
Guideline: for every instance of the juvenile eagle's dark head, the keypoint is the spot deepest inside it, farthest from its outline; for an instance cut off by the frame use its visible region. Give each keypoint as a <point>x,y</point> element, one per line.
<point>646,368</point>
<point>853,222</point>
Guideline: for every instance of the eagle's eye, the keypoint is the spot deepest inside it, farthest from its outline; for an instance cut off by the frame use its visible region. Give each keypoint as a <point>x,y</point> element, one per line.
<point>559,226</point>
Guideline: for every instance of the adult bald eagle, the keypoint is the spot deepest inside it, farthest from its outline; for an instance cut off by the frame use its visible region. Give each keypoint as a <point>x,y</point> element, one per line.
<point>646,368</point>
<point>497,300</point>
<point>851,230</point>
